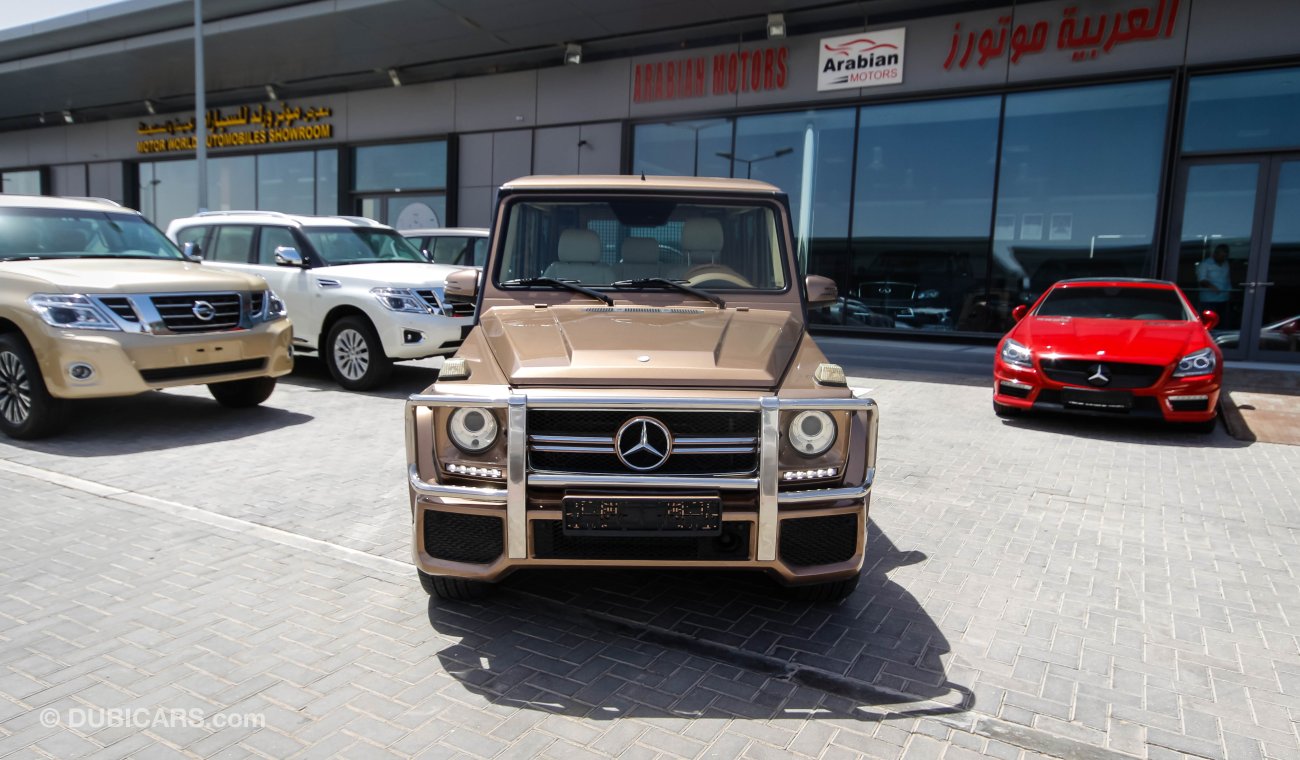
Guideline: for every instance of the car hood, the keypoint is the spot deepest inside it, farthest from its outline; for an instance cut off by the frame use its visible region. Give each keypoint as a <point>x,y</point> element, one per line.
<point>1131,340</point>
<point>130,276</point>
<point>645,346</point>
<point>395,273</point>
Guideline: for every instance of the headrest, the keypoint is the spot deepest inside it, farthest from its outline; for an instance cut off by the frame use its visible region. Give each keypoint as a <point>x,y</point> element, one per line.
<point>579,245</point>
<point>702,234</point>
<point>638,250</point>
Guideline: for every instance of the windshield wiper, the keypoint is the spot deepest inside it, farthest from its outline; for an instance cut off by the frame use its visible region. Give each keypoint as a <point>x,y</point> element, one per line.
<point>27,257</point>
<point>674,284</point>
<point>566,284</point>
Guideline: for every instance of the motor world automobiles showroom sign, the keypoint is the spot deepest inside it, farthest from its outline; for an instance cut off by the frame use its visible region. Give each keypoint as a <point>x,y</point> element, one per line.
<point>240,127</point>
<point>864,59</point>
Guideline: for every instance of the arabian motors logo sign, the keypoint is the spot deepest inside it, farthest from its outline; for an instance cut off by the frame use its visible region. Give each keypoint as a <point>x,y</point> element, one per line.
<point>865,59</point>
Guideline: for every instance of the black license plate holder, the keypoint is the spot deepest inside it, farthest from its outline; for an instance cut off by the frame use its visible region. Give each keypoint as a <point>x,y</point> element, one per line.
<point>1099,401</point>
<point>682,516</point>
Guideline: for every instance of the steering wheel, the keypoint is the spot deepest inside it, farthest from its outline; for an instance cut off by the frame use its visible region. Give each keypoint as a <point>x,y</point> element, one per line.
<point>706,273</point>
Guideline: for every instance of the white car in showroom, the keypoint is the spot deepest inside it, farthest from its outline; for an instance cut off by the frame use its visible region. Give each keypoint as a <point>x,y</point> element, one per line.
<point>361,296</point>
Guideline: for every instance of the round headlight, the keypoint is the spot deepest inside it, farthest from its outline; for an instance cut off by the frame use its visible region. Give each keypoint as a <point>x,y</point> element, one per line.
<point>811,433</point>
<point>473,430</point>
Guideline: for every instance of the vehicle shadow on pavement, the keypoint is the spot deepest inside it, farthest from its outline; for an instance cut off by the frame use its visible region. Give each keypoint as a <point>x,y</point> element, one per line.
<point>157,421</point>
<point>609,643</point>
<point>1127,430</point>
<point>407,378</point>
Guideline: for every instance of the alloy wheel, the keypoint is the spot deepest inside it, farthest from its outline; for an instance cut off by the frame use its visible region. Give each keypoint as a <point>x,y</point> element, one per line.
<point>351,354</point>
<point>15,389</point>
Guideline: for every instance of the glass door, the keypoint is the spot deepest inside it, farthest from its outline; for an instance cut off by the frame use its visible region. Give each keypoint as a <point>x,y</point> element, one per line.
<point>405,212</point>
<point>1236,251</point>
<point>1276,289</point>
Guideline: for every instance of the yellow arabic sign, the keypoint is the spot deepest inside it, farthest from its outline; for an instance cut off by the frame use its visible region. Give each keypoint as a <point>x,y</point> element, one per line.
<point>243,126</point>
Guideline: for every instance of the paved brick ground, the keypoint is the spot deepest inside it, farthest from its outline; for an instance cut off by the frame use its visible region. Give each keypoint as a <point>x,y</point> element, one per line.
<point>1057,587</point>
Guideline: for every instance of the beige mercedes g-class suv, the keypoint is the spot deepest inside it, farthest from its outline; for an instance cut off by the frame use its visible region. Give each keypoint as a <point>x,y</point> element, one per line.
<point>640,391</point>
<point>95,302</point>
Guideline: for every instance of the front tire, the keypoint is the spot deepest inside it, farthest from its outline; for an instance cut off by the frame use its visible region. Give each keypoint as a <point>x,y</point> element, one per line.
<point>1006,412</point>
<point>355,356</point>
<point>241,394</point>
<point>27,410</point>
<point>455,589</point>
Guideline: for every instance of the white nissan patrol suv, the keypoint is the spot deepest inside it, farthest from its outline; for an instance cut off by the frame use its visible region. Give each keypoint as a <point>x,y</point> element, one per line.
<point>361,296</point>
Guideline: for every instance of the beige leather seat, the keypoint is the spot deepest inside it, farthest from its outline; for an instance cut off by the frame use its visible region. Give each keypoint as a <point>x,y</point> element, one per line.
<point>579,259</point>
<point>701,242</point>
<point>638,259</point>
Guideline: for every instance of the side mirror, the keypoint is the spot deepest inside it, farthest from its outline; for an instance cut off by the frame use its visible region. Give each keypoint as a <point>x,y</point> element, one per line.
<point>462,286</point>
<point>288,257</point>
<point>1019,312</point>
<point>1209,319</point>
<point>192,252</point>
<point>821,290</point>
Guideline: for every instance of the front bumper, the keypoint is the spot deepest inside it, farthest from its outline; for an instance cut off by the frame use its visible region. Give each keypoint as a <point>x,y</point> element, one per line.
<point>127,363</point>
<point>518,524</point>
<point>1172,399</point>
<point>419,336</point>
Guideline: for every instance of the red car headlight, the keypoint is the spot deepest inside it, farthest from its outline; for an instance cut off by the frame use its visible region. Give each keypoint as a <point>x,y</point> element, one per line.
<point>1016,353</point>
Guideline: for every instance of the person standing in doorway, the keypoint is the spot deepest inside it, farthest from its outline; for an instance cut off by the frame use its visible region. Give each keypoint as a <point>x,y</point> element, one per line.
<point>1215,281</point>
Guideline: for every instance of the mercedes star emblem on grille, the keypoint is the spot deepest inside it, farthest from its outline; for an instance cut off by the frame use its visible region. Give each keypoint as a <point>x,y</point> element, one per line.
<point>203,311</point>
<point>643,443</point>
<point>1099,376</point>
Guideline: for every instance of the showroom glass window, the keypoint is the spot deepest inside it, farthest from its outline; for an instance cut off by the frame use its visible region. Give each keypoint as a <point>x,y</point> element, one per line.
<point>922,208</point>
<point>297,182</point>
<point>403,184</point>
<point>27,182</point>
<point>808,154</point>
<point>686,148</point>
<point>1253,110</point>
<point>287,182</point>
<point>1078,186</point>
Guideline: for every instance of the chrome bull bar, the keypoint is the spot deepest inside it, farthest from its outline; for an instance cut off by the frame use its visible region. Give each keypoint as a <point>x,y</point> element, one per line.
<point>513,496</point>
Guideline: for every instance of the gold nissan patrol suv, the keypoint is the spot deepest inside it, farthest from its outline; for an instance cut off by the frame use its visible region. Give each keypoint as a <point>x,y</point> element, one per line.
<point>96,302</point>
<point>640,391</point>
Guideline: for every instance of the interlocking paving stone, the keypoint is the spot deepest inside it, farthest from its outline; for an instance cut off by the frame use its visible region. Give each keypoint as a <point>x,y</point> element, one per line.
<point>1104,585</point>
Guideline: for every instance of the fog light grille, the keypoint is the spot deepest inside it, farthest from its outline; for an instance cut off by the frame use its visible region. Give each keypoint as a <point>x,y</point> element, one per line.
<point>1189,403</point>
<point>1014,390</point>
<point>819,540</point>
<point>457,537</point>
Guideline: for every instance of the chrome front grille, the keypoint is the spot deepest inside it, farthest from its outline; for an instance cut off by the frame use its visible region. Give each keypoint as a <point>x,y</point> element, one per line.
<point>121,307</point>
<point>583,442</point>
<point>435,299</point>
<point>185,313</point>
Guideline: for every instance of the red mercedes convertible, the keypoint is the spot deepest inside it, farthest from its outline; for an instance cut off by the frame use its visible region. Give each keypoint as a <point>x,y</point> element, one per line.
<point>1113,347</point>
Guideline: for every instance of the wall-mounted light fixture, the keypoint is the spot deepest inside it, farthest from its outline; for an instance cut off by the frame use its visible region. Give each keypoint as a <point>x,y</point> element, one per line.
<point>148,106</point>
<point>270,93</point>
<point>573,53</point>
<point>392,77</point>
<point>775,26</point>
<point>67,117</point>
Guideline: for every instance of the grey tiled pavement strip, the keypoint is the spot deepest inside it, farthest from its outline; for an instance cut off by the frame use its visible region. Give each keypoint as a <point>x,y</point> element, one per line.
<point>1050,587</point>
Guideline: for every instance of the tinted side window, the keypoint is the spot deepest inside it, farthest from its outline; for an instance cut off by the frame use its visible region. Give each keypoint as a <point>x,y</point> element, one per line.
<point>231,244</point>
<point>193,235</point>
<point>272,238</point>
<point>451,250</point>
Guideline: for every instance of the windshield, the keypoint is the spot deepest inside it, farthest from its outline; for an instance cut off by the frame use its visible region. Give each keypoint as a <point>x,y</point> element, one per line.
<point>1114,303</point>
<point>48,233</point>
<point>361,245</point>
<point>710,245</point>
